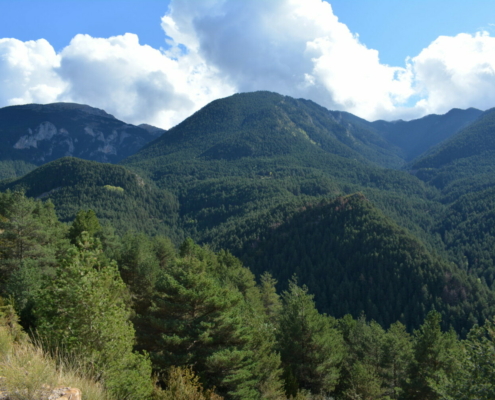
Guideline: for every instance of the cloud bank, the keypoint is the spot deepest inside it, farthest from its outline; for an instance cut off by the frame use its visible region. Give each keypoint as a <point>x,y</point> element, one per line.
<point>218,47</point>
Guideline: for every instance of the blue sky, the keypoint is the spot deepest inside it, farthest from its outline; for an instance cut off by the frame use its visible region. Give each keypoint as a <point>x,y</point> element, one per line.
<point>353,56</point>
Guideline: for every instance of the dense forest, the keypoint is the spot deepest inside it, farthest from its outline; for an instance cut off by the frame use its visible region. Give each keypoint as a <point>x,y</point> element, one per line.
<point>148,320</point>
<point>264,248</point>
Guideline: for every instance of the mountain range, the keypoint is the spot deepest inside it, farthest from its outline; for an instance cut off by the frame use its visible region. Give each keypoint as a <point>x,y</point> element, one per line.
<point>387,218</point>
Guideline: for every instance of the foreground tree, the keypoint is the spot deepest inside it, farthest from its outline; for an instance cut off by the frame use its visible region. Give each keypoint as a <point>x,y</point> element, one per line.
<point>475,377</point>
<point>202,316</point>
<point>435,359</point>
<point>310,347</point>
<point>31,240</point>
<point>84,311</point>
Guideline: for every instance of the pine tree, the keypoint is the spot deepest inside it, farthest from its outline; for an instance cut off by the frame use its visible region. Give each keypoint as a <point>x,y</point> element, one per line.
<point>196,321</point>
<point>398,356</point>
<point>310,347</point>
<point>85,221</point>
<point>434,359</point>
<point>83,310</point>
<point>271,300</point>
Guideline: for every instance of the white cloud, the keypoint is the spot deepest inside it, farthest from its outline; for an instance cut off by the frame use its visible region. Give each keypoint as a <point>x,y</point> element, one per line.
<point>27,72</point>
<point>456,72</point>
<point>134,82</point>
<point>294,47</point>
<point>218,47</point>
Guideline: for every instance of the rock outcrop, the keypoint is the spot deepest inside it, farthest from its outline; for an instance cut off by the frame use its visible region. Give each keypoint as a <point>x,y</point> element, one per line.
<point>47,393</point>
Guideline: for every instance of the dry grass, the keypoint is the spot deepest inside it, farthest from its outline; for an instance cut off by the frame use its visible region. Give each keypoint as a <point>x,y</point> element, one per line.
<point>25,369</point>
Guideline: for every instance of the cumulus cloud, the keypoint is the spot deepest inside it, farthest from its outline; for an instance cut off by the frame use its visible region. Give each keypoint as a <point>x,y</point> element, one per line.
<point>219,47</point>
<point>294,47</point>
<point>456,72</point>
<point>27,72</point>
<point>135,82</point>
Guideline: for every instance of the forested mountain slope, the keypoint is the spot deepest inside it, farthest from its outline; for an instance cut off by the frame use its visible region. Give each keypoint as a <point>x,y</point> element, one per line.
<point>467,154</point>
<point>254,170</point>
<point>265,124</point>
<point>240,157</point>
<point>356,260</point>
<point>209,330</point>
<point>117,195</point>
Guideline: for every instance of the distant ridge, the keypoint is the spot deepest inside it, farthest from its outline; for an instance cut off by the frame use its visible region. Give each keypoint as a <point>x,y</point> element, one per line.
<point>417,136</point>
<point>37,134</point>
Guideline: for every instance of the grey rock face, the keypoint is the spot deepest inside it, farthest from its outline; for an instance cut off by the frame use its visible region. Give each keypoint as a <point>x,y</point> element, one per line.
<point>41,133</point>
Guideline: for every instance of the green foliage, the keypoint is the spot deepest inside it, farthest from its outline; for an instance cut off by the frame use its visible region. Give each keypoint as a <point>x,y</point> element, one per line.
<point>85,221</point>
<point>31,240</point>
<point>310,347</point>
<point>356,260</point>
<point>434,359</point>
<point>202,315</point>
<point>183,384</point>
<point>141,260</point>
<point>13,169</point>
<point>73,184</point>
<point>83,311</point>
<point>117,189</point>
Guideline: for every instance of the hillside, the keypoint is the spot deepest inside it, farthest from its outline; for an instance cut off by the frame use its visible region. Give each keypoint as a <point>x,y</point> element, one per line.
<point>37,134</point>
<point>251,173</point>
<point>356,260</point>
<point>265,124</point>
<point>118,196</point>
<point>466,154</point>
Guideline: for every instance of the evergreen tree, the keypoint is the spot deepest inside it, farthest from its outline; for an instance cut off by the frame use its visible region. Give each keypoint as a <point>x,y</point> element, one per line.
<point>31,240</point>
<point>475,377</point>
<point>434,359</point>
<point>83,311</point>
<point>310,347</point>
<point>362,368</point>
<point>271,300</point>
<point>196,321</point>
<point>398,356</point>
<point>85,221</point>
<point>139,268</point>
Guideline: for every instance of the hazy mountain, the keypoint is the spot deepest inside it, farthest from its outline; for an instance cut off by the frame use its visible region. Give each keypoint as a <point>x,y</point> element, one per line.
<point>419,135</point>
<point>476,139</point>
<point>37,134</point>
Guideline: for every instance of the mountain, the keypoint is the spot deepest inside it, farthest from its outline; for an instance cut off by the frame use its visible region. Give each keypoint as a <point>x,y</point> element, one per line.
<point>239,157</point>
<point>463,163</point>
<point>265,124</point>
<point>118,196</point>
<point>36,134</point>
<point>476,139</point>
<point>417,136</point>
<point>355,259</point>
